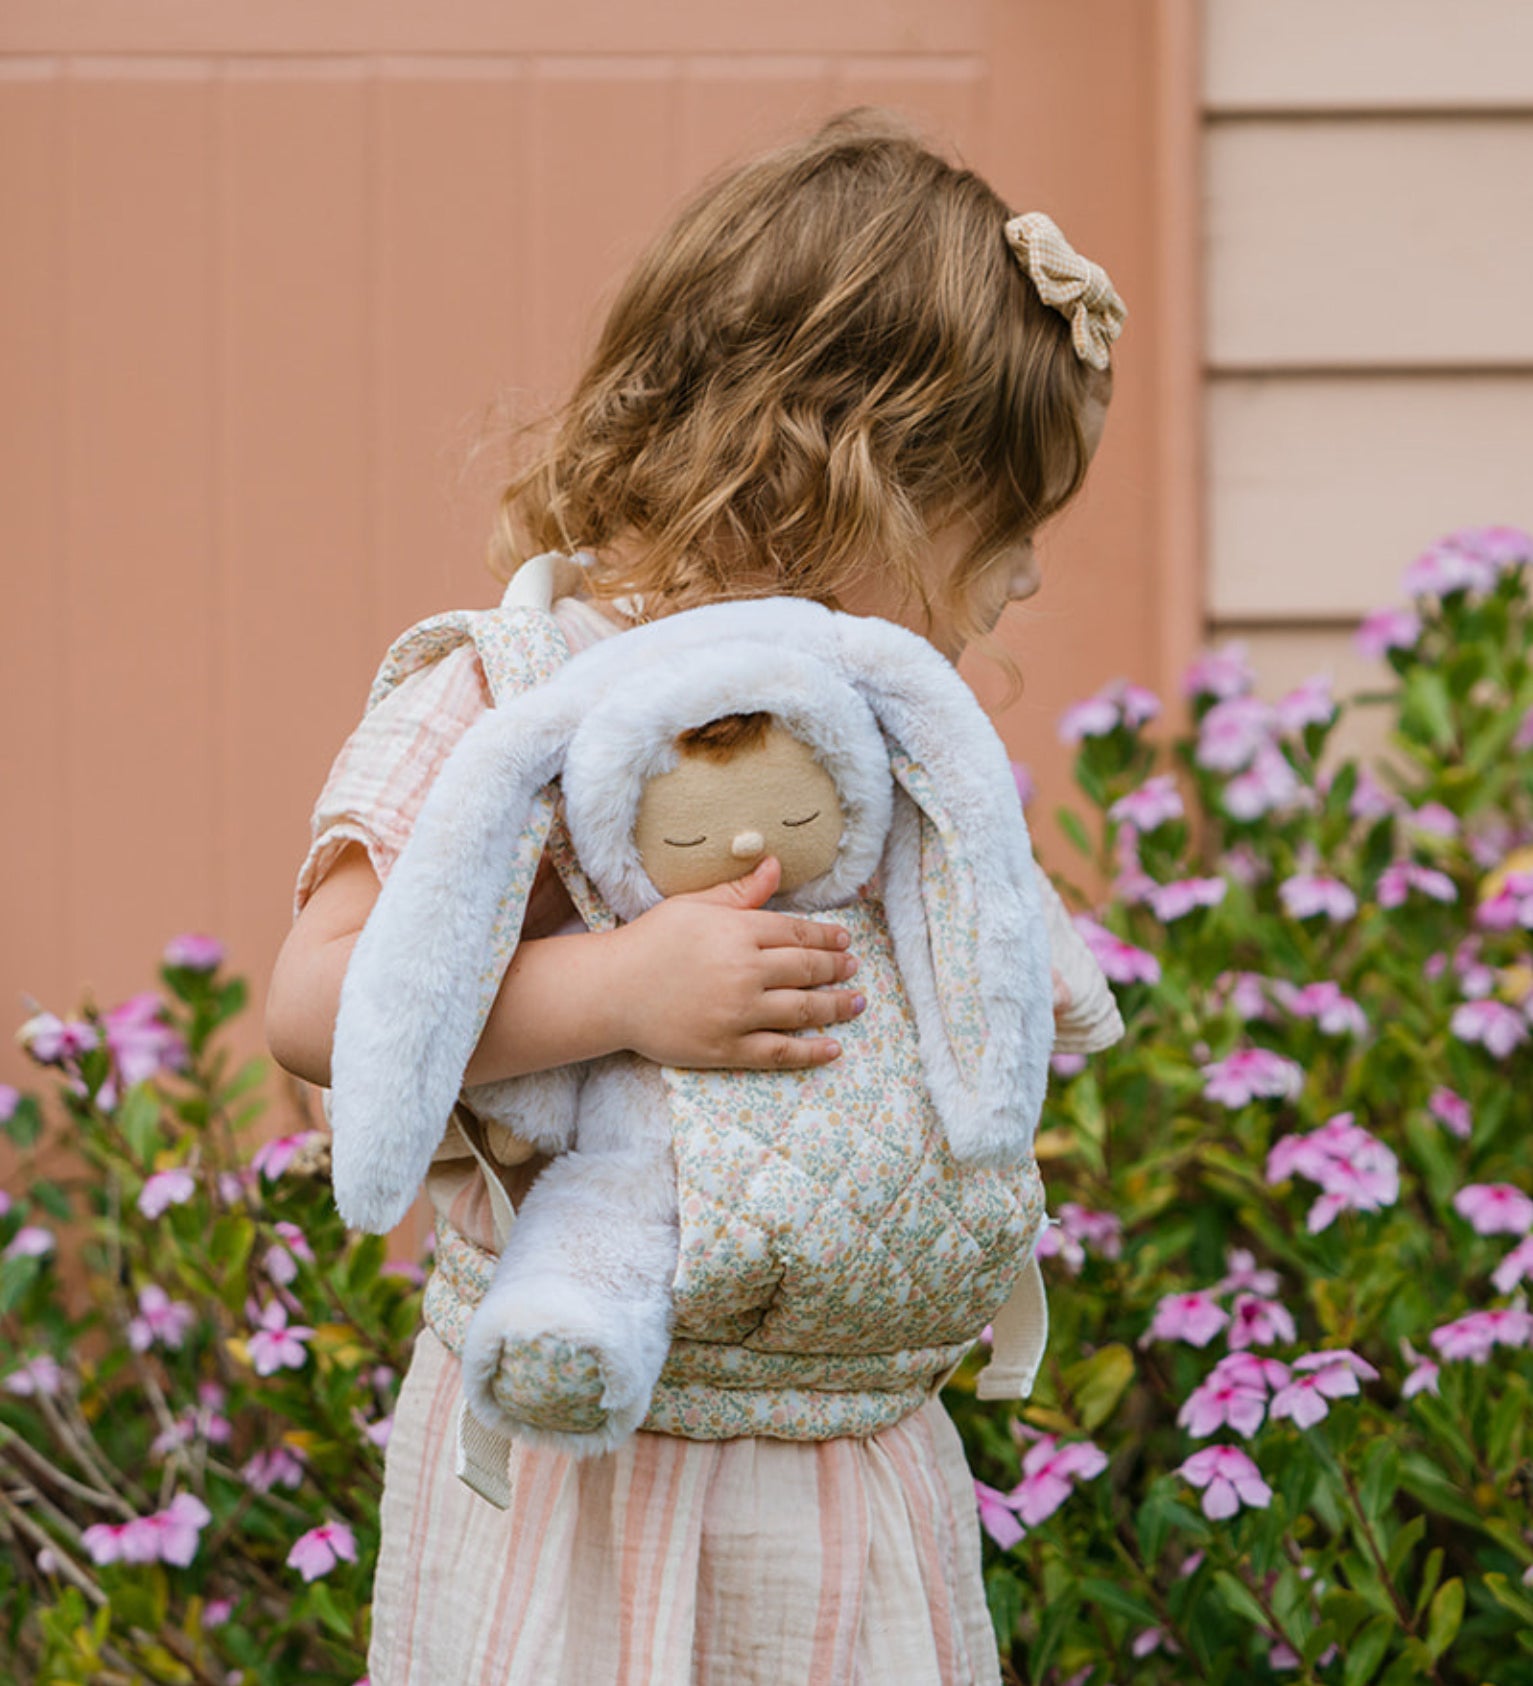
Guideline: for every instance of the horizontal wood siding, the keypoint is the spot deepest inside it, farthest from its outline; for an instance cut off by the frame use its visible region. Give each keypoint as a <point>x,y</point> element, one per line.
<point>1369,360</point>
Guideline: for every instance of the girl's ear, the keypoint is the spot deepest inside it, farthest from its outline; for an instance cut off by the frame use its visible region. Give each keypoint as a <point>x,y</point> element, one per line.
<point>430,959</point>
<point>961,896</point>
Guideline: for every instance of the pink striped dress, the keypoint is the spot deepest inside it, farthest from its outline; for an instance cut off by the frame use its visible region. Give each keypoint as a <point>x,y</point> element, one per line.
<point>669,1562</point>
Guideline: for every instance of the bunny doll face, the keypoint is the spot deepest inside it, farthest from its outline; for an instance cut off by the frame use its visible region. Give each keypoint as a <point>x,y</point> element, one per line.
<point>719,811</point>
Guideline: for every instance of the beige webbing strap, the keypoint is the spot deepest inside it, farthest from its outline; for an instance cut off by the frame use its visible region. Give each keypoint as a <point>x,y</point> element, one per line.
<point>1019,1332</point>
<point>483,1457</point>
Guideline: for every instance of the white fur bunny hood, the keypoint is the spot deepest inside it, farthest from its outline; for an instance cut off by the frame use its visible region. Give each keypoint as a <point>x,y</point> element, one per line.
<point>928,800</point>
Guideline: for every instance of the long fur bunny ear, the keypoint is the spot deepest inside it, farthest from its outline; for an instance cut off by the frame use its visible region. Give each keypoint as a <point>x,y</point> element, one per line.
<point>960,895</point>
<point>430,959</point>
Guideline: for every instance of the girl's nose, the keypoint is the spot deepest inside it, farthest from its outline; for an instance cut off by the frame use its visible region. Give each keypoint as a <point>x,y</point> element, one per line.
<point>748,845</point>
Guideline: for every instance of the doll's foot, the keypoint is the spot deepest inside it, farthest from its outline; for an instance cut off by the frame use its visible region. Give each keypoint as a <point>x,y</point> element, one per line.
<point>546,1382</point>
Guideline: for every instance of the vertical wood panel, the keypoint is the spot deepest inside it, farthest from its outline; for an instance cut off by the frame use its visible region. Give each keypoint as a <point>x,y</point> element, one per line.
<point>302,623</point>
<point>731,108</point>
<point>35,674</point>
<point>452,259</point>
<point>142,719</point>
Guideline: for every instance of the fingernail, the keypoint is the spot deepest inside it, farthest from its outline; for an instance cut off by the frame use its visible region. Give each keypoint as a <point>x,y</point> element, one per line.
<point>835,1050</point>
<point>851,966</point>
<point>843,938</point>
<point>858,1003</point>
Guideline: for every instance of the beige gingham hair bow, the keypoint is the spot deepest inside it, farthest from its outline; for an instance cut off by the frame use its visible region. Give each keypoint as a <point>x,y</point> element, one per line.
<point>1075,286</point>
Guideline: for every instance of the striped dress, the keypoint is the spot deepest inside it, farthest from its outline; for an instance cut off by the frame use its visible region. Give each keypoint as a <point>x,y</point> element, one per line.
<point>669,1562</point>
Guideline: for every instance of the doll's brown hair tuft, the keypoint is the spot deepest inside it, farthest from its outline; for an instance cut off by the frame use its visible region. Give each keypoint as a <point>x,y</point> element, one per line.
<point>720,739</point>
<point>829,354</point>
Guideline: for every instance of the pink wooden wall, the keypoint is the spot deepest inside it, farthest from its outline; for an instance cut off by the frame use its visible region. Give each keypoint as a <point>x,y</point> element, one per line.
<point>266,267</point>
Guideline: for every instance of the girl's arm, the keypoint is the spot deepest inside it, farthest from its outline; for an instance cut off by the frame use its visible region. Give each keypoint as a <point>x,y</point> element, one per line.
<point>703,980</point>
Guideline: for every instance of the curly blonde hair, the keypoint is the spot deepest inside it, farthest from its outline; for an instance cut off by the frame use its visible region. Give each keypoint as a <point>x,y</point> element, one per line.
<point>830,354</point>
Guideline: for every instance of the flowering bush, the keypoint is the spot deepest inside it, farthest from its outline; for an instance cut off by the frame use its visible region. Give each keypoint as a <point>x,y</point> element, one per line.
<point>1287,1397</point>
<point>191,1456</point>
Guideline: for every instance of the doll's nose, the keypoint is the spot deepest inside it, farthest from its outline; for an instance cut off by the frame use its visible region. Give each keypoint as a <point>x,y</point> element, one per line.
<point>748,845</point>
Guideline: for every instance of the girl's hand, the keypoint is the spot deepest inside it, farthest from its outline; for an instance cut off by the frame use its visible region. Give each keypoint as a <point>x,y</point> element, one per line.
<point>709,980</point>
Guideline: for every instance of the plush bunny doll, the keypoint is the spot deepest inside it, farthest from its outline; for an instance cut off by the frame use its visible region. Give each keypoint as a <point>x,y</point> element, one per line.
<point>686,750</point>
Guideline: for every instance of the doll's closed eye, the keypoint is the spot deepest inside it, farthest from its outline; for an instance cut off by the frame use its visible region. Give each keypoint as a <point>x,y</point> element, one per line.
<point>814,816</point>
<point>685,842</point>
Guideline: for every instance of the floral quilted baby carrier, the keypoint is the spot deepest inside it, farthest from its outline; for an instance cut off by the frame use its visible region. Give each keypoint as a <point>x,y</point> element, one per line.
<point>839,1244</point>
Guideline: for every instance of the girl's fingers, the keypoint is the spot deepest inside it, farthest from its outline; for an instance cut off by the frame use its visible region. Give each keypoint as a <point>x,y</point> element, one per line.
<point>805,1009</point>
<point>787,930</point>
<point>804,968</point>
<point>764,1051</point>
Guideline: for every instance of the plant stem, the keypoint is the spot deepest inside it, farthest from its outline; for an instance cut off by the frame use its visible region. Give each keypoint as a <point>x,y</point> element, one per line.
<point>1402,1609</point>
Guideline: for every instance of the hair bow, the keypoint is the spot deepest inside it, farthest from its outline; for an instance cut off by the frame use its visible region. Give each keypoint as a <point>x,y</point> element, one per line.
<point>1073,285</point>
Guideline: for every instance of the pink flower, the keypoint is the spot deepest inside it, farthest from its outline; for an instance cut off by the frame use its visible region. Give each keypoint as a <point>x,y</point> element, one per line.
<point>1118,703</point>
<point>1244,865</point>
<point>317,1552</point>
<point>272,1158</point>
<point>1228,1478</point>
<point>1251,1371</point>
<point>1259,1322</point>
<point>1246,992</point>
<point>10,1099</point>
<point>1195,1318</point>
<point>1524,737</point>
<point>1330,1376</point>
<point>1355,1171</point>
<point>1269,785</point>
<point>281,1260</point>
<point>1433,819</point>
<point>171,1535</point>
<point>1474,1335</point>
<point>1370,800</point>
<point>996,1516</point>
<point>52,1041</point>
<point>1248,1072</point>
<point>1516,1267</point>
<point>1502,547</point>
<point>1445,569</point>
<point>1498,1027</point>
<point>1309,704</point>
<point>1230,734</point>
<point>1120,960</point>
<point>1152,1639</point>
<point>280,1467</point>
<point>1173,901</point>
<point>1067,1065</point>
<point>1243,1274</point>
<point>1154,804</point>
<point>1335,1013</point>
<point>216,1612</point>
<point>1308,894</point>
<point>379,1430</point>
<point>1452,1112</point>
<point>1385,630</point>
<point>1220,673</point>
<point>1495,1208</point>
<point>275,1345</point>
<point>1223,1402</point>
<point>141,1043</point>
<point>1398,880</point>
<point>1423,1375</point>
<point>29,1242</point>
<point>1049,1476</point>
<point>1511,906</point>
<point>1053,1243</point>
<point>1102,1232</point>
<point>165,1189</point>
<point>193,952</point>
<point>160,1318</point>
<point>38,1375</point>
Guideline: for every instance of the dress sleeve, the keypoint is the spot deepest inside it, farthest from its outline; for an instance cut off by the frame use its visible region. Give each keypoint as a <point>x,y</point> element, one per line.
<point>379,780</point>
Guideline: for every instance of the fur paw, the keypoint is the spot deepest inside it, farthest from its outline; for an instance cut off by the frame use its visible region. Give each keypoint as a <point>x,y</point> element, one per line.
<point>548,1383</point>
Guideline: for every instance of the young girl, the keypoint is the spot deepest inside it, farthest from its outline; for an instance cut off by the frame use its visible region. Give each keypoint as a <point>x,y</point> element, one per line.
<point>846,373</point>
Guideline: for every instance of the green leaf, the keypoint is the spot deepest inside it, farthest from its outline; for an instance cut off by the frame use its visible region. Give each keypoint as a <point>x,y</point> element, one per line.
<point>53,1200</point>
<point>1381,1476</point>
<point>1509,1598</point>
<point>230,1242</point>
<point>1367,1650</point>
<point>139,1120</point>
<point>1429,1578</point>
<point>246,1078</point>
<point>1404,1543</point>
<point>1003,1598</point>
<point>1069,822</point>
<point>1056,1617</point>
<point>1097,1383</point>
<point>1239,1599</point>
<point>321,1600</point>
<point>1110,1596</point>
<point>25,1124</point>
<point>16,1277</point>
<point>1446,1614</point>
